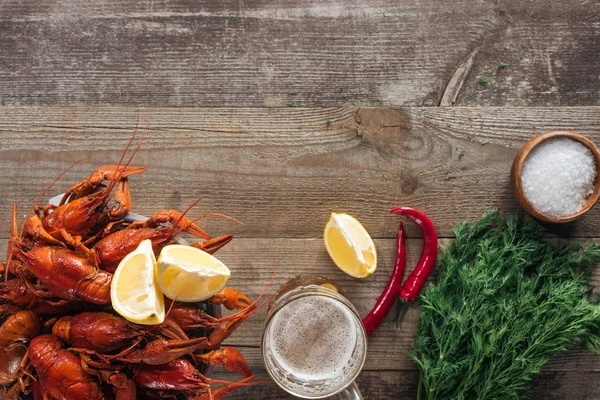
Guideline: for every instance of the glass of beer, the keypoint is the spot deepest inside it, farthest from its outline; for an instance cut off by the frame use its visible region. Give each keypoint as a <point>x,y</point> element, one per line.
<point>314,344</point>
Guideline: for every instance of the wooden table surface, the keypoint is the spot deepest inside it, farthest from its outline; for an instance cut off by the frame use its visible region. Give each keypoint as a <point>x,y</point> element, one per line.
<point>280,112</point>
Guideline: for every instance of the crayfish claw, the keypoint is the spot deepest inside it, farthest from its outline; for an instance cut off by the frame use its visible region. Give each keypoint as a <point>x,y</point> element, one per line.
<point>91,183</point>
<point>178,220</point>
<point>229,358</point>
<point>211,246</point>
<point>231,298</point>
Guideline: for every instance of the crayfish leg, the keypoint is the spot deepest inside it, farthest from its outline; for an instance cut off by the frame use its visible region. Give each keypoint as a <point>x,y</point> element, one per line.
<point>171,330</point>
<point>33,230</point>
<point>74,241</point>
<point>125,351</point>
<point>162,351</point>
<point>222,332</point>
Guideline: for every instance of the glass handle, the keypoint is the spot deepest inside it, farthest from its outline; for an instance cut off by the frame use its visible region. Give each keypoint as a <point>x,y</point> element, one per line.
<point>352,392</point>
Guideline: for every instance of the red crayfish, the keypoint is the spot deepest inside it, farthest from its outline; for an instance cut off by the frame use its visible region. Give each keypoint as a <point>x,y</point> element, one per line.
<point>61,262</point>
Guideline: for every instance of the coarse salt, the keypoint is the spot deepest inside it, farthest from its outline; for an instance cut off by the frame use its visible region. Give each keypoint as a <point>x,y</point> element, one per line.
<point>558,176</point>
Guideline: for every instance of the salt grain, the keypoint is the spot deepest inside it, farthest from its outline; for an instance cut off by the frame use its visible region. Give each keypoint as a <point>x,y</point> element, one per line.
<point>558,176</point>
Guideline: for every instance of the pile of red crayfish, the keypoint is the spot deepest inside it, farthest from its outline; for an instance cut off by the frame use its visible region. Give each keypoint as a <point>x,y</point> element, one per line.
<point>57,279</point>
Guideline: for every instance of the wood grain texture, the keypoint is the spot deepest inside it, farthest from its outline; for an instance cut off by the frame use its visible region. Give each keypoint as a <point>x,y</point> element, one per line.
<point>375,385</point>
<point>279,53</point>
<point>402,385</point>
<point>282,171</point>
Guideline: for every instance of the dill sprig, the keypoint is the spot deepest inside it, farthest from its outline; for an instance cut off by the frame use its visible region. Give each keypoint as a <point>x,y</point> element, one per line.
<point>505,302</point>
<point>482,80</point>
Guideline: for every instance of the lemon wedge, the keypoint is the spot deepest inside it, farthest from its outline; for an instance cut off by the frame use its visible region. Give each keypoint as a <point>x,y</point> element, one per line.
<point>133,291</point>
<point>350,246</point>
<point>189,274</point>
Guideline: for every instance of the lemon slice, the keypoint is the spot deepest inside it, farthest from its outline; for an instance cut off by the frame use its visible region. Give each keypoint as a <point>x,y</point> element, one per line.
<point>350,246</point>
<point>133,292</point>
<point>189,274</point>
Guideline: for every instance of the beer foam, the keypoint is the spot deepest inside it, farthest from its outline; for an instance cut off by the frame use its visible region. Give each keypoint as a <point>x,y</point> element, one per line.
<point>313,338</point>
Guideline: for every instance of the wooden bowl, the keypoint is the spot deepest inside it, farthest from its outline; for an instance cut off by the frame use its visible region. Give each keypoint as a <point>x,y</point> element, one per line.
<point>517,170</point>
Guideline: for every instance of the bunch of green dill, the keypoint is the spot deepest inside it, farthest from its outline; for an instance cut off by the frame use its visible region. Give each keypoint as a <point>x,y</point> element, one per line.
<point>505,302</point>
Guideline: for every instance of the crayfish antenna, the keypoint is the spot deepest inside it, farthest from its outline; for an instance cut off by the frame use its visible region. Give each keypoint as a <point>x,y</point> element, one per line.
<point>137,371</point>
<point>125,351</point>
<point>185,212</point>
<point>179,331</point>
<point>173,302</point>
<point>117,178</point>
<point>5,228</point>
<point>14,232</point>
<point>252,308</point>
<point>15,235</point>
<point>217,215</point>
<point>179,228</point>
<point>36,201</point>
<point>264,290</point>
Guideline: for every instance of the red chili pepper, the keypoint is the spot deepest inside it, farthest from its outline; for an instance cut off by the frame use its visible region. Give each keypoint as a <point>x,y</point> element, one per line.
<point>414,282</point>
<point>392,290</point>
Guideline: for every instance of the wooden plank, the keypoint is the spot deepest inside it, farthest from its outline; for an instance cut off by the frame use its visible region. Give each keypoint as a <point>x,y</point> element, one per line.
<point>279,53</point>
<point>379,359</point>
<point>389,370</point>
<point>402,385</point>
<point>380,385</point>
<point>282,171</point>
